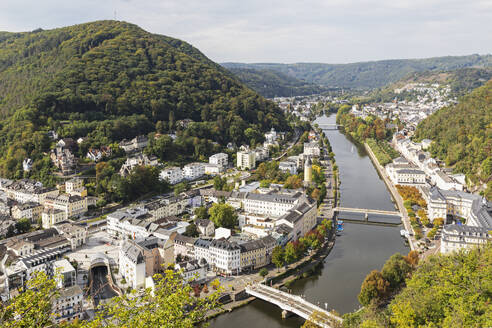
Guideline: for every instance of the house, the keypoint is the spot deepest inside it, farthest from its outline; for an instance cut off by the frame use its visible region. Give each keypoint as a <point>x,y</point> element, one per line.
<point>219,159</point>
<point>71,205</point>
<point>246,159</point>
<point>29,210</point>
<point>205,227</point>
<point>183,246</point>
<point>261,153</point>
<point>172,175</point>
<point>66,143</point>
<point>52,216</point>
<point>137,160</point>
<point>27,164</point>
<point>137,143</point>
<point>63,159</point>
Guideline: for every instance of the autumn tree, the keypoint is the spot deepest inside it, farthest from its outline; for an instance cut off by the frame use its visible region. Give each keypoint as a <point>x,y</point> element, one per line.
<point>374,289</point>
<point>395,270</point>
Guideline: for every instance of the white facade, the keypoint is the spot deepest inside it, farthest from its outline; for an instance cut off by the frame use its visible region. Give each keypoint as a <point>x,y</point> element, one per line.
<point>212,169</point>
<point>172,175</point>
<point>226,256</point>
<point>246,159</point>
<point>132,265</point>
<point>68,306</point>
<point>193,171</point>
<point>288,166</point>
<point>456,237</point>
<point>219,159</point>
<point>311,149</point>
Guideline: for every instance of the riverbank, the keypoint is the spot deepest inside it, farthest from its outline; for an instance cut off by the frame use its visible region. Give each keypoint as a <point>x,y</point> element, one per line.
<point>396,197</point>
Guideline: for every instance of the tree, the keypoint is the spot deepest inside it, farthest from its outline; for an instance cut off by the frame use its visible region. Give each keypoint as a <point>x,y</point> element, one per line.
<point>223,215</point>
<point>374,289</point>
<point>191,231</point>
<point>170,304</point>
<point>220,183</point>
<point>33,307</point>
<point>395,270</point>
<point>293,182</point>
<point>438,222</point>
<point>201,212</point>
<point>290,254</point>
<point>278,257</point>
<point>23,225</point>
<point>263,272</point>
<point>412,258</point>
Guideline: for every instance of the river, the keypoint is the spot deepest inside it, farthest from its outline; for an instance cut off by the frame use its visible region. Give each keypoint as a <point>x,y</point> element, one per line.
<point>358,250</point>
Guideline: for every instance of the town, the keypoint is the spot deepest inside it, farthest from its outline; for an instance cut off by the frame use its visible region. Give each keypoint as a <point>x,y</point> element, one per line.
<point>231,226</point>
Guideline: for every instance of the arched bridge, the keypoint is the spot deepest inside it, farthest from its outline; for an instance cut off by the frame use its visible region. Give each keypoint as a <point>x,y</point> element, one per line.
<point>294,304</point>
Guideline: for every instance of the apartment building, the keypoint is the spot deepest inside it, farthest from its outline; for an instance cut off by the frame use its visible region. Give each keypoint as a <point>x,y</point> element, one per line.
<point>219,159</point>
<point>172,175</point>
<point>246,159</point>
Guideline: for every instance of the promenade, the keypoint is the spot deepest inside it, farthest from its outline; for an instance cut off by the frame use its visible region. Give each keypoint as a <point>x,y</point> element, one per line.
<point>396,197</point>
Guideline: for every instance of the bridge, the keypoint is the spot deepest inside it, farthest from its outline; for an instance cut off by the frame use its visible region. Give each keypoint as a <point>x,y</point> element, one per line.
<point>329,126</point>
<point>294,304</point>
<point>366,211</point>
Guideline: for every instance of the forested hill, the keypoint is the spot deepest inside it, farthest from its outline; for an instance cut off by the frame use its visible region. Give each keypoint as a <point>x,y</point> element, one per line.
<point>368,75</point>
<point>270,83</point>
<point>462,135</point>
<point>109,80</point>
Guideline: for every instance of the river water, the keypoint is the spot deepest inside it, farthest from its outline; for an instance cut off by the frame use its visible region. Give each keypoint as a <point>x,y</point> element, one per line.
<point>358,250</point>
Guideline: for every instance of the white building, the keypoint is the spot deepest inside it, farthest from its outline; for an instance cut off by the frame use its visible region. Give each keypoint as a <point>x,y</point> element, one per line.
<point>205,226</point>
<point>212,169</point>
<point>193,171</point>
<point>246,159</point>
<point>219,159</point>
<point>132,264</point>
<point>226,256</point>
<point>456,237</point>
<point>192,270</point>
<point>288,166</point>
<point>137,160</point>
<point>311,149</point>
<point>172,174</point>
<point>444,181</point>
<point>261,153</point>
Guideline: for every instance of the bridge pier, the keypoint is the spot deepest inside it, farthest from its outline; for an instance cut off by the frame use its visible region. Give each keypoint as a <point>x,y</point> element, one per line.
<point>286,314</point>
<point>366,217</point>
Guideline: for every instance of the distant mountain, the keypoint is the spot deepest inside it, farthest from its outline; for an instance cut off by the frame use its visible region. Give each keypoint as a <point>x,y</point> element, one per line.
<point>368,75</point>
<point>462,136</point>
<point>109,80</point>
<point>270,83</point>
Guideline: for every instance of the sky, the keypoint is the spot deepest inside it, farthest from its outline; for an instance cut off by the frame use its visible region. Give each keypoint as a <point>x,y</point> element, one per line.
<point>283,31</point>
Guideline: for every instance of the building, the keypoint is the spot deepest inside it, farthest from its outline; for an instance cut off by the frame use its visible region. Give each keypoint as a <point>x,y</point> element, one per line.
<point>25,190</point>
<point>192,270</point>
<point>246,159</point>
<point>444,181</point>
<point>27,164</point>
<point>205,227</point>
<point>63,159</point>
<point>165,206</point>
<point>75,234</point>
<point>219,159</point>
<point>75,187</point>
<point>226,256</point>
<point>137,160</point>
<point>137,143</point>
<point>193,171</point>
<point>288,166</point>
<point>202,250</point>
<point>65,273</point>
<point>183,246</point>
<point>52,216</point>
<point>71,205</point>
<point>29,210</point>
<point>172,175</point>
<point>212,169</point>
<point>312,149</point>
<point>261,153</point>
<point>456,237</point>
<point>68,305</point>
<point>253,255</point>
<point>132,264</point>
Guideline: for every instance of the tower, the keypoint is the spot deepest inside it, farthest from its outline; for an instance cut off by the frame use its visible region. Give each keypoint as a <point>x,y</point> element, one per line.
<point>308,171</point>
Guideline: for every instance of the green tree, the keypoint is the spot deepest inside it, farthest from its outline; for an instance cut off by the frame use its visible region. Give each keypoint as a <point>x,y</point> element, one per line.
<point>395,270</point>
<point>374,289</point>
<point>290,254</point>
<point>263,272</point>
<point>201,212</point>
<point>33,307</point>
<point>223,215</point>
<point>23,225</point>
<point>220,183</point>
<point>191,231</point>
<point>278,257</point>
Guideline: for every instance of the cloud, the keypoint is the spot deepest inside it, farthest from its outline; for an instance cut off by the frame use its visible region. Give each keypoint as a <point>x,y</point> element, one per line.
<point>334,31</point>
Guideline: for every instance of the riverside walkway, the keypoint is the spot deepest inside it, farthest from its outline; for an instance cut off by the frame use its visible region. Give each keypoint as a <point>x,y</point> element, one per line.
<point>295,304</point>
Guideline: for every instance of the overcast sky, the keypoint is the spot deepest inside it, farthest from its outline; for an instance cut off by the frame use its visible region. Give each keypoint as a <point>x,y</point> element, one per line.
<point>287,31</point>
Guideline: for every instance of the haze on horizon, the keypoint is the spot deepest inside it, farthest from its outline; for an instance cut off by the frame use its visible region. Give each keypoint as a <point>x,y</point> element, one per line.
<point>287,31</point>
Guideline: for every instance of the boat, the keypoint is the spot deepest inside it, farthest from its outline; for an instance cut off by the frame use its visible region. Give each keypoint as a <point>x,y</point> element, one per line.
<point>404,233</point>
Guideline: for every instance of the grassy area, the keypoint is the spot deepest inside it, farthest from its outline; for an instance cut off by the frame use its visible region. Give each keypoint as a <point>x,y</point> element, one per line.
<point>382,150</point>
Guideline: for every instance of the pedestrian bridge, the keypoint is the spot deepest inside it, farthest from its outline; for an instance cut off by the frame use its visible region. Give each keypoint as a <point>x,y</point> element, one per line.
<point>328,126</point>
<point>295,304</point>
<point>366,211</point>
